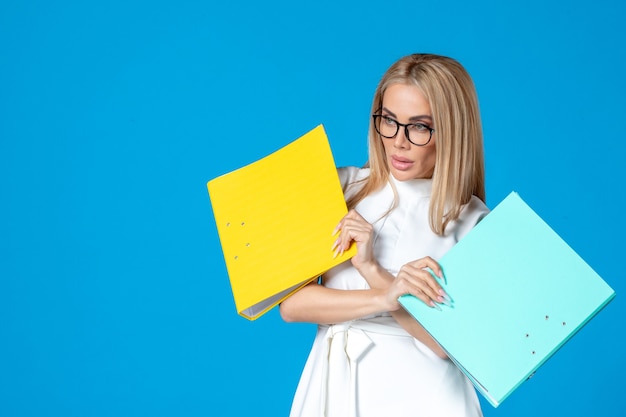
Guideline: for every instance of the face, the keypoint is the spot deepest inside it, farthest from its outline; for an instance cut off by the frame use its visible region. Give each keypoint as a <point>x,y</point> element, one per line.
<point>406,161</point>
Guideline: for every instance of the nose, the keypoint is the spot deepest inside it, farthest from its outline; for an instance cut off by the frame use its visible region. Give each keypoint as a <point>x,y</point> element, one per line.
<point>401,141</point>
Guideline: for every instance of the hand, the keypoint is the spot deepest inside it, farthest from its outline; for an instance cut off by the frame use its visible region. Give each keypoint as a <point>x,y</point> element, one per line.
<point>414,279</point>
<point>354,228</point>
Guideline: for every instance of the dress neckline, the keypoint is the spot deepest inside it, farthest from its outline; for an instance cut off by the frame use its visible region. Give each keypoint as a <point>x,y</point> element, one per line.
<point>420,187</point>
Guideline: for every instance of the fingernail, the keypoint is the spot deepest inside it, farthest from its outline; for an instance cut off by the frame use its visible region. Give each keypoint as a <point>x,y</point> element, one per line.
<point>335,244</point>
<point>445,300</point>
<point>446,297</point>
<point>435,305</point>
<point>443,276</point>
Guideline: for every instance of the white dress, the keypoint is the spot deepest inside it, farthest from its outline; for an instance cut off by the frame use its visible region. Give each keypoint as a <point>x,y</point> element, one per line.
<point>371,367</point>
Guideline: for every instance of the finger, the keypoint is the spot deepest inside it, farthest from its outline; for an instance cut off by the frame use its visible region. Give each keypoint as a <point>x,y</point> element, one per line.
<point>339,226</point>
<point>428,262</point>
<point>425,282</point>
<point>357,229</point>
<point>421,295</point>
<point>341,223</point>
<point>348,235</point>
<point>351,234</point>
<point>349,218</point>
<point>353,214</point>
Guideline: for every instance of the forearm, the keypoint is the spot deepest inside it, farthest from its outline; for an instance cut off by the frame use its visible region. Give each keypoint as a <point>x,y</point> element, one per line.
<point>379,278</point>
<point>415,329</point>
<point>376,276</point>
<point>317,304</point>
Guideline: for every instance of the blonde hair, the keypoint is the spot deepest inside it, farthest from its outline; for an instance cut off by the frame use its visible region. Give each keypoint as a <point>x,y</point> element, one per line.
<point>459,166</point>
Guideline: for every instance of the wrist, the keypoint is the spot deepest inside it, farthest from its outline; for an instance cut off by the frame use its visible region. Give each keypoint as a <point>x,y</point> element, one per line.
<point>381,300</point>
<point>375,275</point>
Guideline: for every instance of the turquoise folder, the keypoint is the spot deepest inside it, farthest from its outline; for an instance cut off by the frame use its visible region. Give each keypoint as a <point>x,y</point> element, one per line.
<point>519,293</point>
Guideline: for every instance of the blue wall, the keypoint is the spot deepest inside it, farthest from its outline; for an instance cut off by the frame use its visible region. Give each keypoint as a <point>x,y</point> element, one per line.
<point>114,299</point>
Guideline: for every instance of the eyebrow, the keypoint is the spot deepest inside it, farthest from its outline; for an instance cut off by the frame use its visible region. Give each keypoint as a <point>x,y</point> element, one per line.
<point>411,119</point>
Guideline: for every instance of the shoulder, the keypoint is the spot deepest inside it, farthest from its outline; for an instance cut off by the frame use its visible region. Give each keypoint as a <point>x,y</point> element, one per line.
<point>350,175</point>
<point>352,179</point>
<point>471,214</point>
<point>475,209</point>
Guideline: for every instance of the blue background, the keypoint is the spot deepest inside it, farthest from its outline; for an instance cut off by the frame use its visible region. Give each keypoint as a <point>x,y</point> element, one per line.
<point>114,298</point>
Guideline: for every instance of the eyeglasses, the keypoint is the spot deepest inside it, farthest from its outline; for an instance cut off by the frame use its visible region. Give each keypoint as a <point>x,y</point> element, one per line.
<point>417,133</point>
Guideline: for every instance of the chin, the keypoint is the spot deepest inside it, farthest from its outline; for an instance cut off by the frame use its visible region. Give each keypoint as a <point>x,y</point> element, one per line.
<point>408,175</point>
<point>402,175</point>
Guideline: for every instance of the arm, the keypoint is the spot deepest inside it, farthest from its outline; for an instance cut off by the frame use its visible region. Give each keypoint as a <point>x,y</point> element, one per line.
<point>411,279</point>
<point>317,304</point>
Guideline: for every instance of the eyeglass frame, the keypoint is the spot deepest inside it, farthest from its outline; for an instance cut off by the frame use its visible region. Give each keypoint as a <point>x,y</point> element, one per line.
<point>406,129</point>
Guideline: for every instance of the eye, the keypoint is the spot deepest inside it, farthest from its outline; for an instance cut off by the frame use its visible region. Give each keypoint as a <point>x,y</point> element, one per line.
<point>419,127</point>
<point>389,121</point>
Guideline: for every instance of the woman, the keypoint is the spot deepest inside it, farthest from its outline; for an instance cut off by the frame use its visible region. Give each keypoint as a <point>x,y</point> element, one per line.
<point>421,191</point>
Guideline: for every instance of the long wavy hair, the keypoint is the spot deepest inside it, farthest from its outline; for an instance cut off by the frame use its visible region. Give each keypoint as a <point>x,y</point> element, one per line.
<point>459,167</point>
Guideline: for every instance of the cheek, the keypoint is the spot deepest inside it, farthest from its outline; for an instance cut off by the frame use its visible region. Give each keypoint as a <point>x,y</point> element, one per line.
<point>433,152</point>
<point>427,160</point>
<point>432,149</point>
<point>386,147</point>
<point>426,154</point>
<point>433,156</point>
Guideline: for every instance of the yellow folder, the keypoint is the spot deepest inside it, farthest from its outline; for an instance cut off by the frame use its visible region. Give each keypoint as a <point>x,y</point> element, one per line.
<point>275,219</point>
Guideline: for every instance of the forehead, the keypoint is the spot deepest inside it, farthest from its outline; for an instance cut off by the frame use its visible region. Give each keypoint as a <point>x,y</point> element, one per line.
<point>405,98</point>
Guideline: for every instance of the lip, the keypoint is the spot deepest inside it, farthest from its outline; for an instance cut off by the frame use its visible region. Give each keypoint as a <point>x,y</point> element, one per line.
<point>400,163</point>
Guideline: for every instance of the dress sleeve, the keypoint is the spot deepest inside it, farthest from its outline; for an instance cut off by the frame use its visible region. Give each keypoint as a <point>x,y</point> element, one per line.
<point>352,178</point>
<point>472,213</point>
